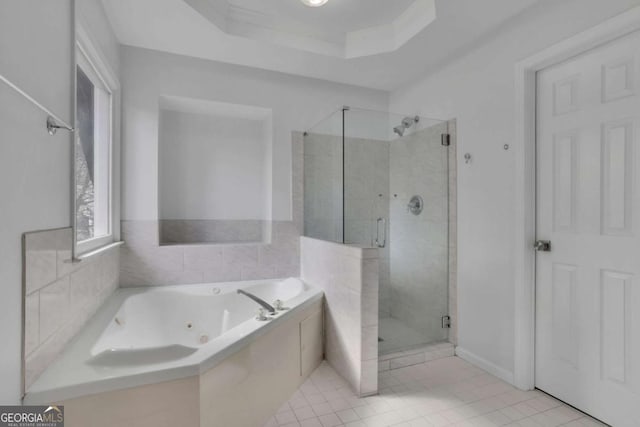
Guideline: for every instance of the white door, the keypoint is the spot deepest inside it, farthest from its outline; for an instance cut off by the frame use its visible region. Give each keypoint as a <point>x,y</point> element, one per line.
<point>588,285</point>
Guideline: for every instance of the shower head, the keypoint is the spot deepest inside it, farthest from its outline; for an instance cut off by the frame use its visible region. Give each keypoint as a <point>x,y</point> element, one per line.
<point>406,123</point>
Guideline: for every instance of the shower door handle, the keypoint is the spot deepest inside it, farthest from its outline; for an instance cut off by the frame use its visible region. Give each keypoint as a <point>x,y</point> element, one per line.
<point>381,242</point>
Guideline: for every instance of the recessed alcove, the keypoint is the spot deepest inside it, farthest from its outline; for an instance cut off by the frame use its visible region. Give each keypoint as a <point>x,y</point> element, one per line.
<point>214,172</point>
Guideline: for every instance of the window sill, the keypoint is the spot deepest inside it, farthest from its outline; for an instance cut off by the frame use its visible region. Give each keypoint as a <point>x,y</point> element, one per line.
<point>98,251</point>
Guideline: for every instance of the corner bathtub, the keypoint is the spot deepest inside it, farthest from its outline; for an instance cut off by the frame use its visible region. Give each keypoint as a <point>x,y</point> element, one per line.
<point>149,335</point>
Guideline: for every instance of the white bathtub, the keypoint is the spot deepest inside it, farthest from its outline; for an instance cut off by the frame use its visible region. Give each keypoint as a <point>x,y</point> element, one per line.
<point>144,336</point>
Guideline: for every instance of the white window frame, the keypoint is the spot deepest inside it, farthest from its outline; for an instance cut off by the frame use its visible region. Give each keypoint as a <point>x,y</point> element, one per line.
<point>88,56</point>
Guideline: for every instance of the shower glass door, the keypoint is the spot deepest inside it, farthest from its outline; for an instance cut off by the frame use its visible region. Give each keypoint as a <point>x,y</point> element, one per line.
<point>323,180</point>
<point>396,198</point>
<point>377,179</point>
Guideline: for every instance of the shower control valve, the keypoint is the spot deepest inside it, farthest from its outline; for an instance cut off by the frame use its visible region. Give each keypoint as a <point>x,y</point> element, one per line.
<point>416,204</point>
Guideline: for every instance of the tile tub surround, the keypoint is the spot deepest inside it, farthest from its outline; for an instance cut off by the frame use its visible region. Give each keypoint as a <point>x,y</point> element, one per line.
<point>59,297</point>
<point>443,392</point>
<point>348,275</point>
<point>243,390</point>
<point>198,231</point>
<point>144,262</point>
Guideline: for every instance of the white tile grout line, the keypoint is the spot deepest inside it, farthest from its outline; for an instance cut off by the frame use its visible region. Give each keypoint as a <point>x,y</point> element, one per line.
<point>443,392</point>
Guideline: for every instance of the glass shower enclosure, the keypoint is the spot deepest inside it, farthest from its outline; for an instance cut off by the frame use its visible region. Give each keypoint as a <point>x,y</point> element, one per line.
<point>379,179</point>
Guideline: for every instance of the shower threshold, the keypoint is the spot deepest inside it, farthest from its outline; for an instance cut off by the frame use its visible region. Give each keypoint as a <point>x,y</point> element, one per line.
<point>415,356</point>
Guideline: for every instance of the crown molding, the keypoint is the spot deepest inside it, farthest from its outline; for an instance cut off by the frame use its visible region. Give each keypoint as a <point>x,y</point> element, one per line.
<point>261,25</point>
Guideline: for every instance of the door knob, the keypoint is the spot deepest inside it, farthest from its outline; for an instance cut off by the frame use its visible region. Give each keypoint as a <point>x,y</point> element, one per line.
<point>542,246</point>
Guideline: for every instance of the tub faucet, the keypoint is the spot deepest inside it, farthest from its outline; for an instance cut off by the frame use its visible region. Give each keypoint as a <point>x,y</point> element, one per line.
<point>260,301</point>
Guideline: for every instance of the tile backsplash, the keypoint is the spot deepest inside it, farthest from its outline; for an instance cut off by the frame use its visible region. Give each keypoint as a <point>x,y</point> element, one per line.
<point>60,296</point>
<point>144,262</point>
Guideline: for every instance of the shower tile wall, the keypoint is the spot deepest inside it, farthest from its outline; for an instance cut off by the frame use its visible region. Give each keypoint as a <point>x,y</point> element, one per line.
<point>418,263</point>
<point>419,244</point>
<point>349,278</point>
<point>367,199</point>
<point>366,195</point>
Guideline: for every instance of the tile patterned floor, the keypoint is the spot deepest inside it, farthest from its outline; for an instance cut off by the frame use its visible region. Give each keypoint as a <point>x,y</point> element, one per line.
<point>443,392</point>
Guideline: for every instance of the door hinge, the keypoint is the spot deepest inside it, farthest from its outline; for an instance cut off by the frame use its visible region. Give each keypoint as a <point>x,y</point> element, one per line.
<point>446,322</point>
<point>446,139</point>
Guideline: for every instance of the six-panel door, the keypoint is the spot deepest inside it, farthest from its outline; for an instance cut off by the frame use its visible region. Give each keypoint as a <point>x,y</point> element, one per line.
<point>587,289</point>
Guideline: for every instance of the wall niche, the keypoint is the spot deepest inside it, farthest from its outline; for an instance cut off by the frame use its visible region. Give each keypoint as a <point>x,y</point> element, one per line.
<point>214,172</point>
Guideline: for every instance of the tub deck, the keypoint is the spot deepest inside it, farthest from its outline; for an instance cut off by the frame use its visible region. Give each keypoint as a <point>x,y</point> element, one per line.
<point>87,367</point>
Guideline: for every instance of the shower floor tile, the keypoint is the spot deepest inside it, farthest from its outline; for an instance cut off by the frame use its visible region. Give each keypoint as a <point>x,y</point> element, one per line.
<point>443,392</point>
<point>397,336</point>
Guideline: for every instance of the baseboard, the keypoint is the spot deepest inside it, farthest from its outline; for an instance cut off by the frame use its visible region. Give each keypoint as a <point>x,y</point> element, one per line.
<point>484,364</point>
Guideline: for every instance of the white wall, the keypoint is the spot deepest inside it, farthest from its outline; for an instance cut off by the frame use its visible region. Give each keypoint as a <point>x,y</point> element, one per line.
<point>34,167</point>
<point>212,167</point>
<point>296,102</point>
<point>91,16</point>
<point>36,43</point>
<point>478,90</point>
<point>34,187</point>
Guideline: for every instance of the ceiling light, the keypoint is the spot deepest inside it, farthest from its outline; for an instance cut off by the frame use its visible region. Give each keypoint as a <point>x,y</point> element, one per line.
<point>314,3</point>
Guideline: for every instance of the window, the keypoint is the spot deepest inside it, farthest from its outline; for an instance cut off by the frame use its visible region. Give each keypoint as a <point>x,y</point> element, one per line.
<point>93,158</point>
